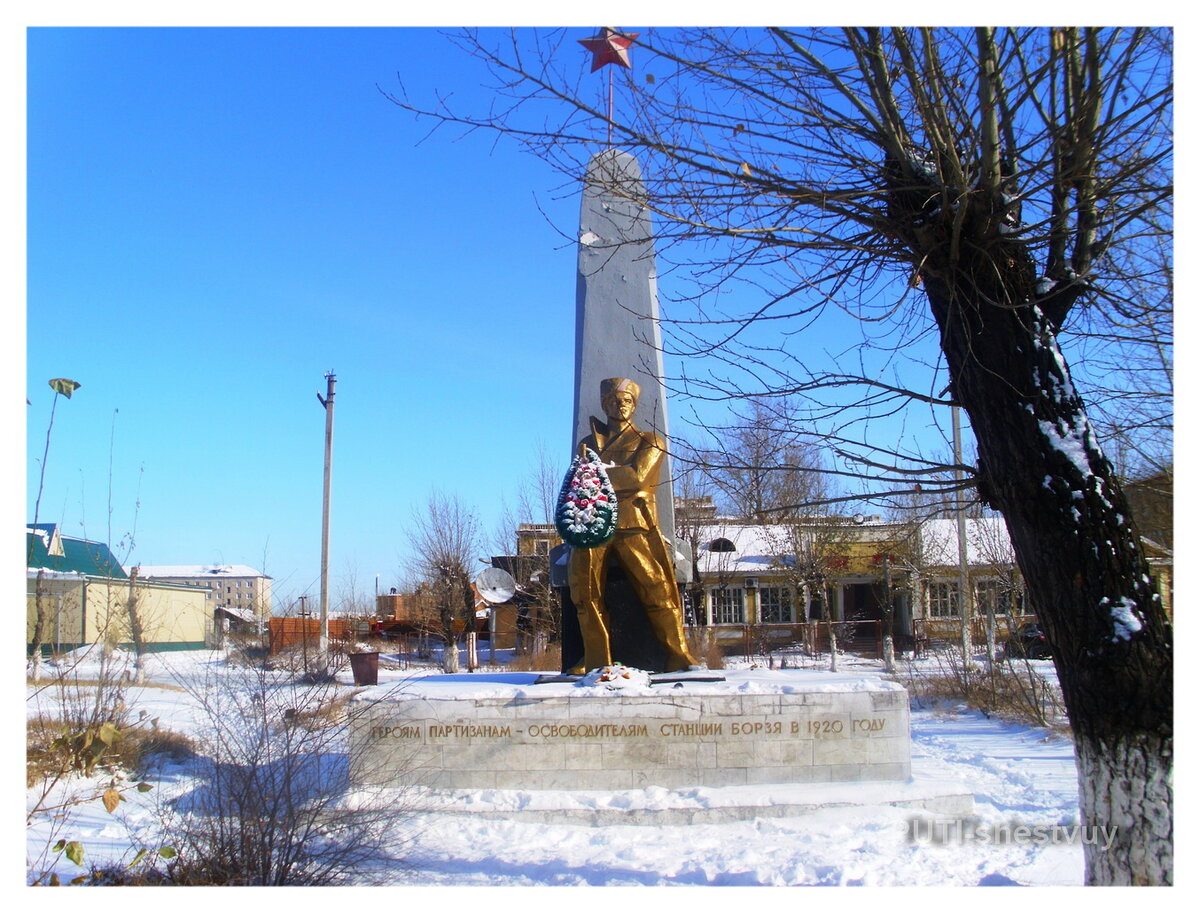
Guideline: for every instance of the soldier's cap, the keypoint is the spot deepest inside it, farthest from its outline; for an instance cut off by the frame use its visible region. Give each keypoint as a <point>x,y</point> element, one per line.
<point>613,385</point>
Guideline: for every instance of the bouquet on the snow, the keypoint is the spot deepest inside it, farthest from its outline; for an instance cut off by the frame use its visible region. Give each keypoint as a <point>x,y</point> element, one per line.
<point>587,505</point>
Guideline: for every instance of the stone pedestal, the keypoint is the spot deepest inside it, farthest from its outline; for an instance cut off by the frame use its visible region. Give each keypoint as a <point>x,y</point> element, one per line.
<point>504,732</point>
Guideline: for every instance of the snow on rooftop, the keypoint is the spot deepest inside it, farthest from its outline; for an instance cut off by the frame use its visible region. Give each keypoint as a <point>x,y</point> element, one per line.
<point>47,573</point>
<point>987,542</point>
<point>244,614</point>
<point>757,548</point>
<point>196,570</point>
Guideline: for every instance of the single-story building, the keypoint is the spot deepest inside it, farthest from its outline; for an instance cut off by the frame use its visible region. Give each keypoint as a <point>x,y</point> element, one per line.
<point>84,596</point>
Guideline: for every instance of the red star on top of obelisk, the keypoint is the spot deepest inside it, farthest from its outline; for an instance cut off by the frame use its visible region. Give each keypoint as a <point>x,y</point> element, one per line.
<point>609,47</point>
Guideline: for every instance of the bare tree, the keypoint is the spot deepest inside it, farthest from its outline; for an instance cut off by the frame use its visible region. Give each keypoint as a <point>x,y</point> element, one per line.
<point>966,195</point>
<point>695,509</point>
<point>536,501</point>
<point>446,547</point>
<point>539,493</point>
<point>355,602</point>
<point>765,468</point>
<point>770,473</point>
<point>1128,350</point>
<point>136,622</point>
<point>62,387</point>
<point>810,551</point>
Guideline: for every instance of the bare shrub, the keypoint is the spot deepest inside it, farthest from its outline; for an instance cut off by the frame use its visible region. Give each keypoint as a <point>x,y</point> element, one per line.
<point>143,748</point>
<point>274,805</point>
<point>82,724</point>
<point>302,662</point>
<point>79,718</point>
<point>1011,690</point>
<point>43,759</point>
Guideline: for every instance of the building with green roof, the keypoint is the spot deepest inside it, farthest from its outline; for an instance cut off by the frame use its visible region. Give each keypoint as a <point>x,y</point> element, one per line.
<point>46,547</point>
<point>85,597</point>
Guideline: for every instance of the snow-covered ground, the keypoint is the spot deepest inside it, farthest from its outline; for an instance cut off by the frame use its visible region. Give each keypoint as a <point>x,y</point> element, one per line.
<point>1020,776</point>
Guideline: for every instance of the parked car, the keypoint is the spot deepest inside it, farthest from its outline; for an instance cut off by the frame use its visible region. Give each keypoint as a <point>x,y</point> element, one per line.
<point>1029,643</point>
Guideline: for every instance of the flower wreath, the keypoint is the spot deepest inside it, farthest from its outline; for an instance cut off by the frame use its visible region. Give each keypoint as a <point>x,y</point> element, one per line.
<point>587,505</point>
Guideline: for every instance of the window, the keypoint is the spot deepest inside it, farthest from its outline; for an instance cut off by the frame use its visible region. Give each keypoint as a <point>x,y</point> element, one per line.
<point>943,600</point>
<point>775,605</point>
<point>818,604</point>
<point>729,606</point>
<point>541,547</point>
<point>998,596</point>
<point>721,545</point>
<point>693,607</point>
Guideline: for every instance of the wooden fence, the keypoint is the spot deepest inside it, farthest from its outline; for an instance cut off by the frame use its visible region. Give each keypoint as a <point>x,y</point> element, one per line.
<point>296,632</point>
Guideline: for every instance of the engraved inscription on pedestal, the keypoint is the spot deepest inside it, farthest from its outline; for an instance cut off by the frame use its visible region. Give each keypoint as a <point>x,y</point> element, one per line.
<point>625,742</point>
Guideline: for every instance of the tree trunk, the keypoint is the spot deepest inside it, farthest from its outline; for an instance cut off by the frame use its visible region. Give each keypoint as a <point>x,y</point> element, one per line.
<point>40,623</point>
<point>826,610</point>
<point>136,631</point>
<point>1082,561</point>
<point>449,644</point>
<point>1127,782</point>
<point>991,635</point>
<point>888,618</point>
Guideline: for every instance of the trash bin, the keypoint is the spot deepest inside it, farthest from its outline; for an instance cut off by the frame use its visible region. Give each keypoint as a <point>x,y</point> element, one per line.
<point>365,667</point>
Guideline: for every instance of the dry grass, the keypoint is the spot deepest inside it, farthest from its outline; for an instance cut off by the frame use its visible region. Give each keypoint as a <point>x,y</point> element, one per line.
<point>703,645</point>
<point>1009,690</point>
<point>97,683</point>
<point>303,661</point>
<point>140,746</point>
<point>549,660</point>
<point>42,759</point>
<point>323,713</point>
<point>130,753</point>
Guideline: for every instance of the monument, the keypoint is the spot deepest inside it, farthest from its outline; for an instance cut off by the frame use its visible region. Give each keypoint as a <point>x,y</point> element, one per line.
<point>756,743</point>
<point>617,338</point>
<point>616,305</point>
<point>633,460</point>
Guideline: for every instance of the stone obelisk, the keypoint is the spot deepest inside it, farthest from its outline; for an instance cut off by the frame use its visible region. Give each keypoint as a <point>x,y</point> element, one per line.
<point>616,319</point>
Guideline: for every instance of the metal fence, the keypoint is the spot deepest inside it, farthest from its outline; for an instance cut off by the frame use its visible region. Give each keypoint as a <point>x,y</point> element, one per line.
<point>949,630</point>
<point>861,637</point>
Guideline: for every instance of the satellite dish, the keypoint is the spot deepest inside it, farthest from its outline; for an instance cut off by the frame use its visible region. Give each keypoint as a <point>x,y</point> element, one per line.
<point>495,586</point>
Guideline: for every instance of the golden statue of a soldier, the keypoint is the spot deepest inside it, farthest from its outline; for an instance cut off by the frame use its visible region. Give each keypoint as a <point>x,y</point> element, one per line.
<point>633,461</point>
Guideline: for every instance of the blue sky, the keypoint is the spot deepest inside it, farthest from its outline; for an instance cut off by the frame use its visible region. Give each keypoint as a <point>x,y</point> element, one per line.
<point>216,218</point>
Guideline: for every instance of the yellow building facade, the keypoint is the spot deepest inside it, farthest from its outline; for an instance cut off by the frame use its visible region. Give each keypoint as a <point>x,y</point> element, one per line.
<point>81,610</point>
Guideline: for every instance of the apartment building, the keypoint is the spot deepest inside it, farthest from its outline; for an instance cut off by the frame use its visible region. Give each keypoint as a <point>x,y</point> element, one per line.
<point>232,586</point>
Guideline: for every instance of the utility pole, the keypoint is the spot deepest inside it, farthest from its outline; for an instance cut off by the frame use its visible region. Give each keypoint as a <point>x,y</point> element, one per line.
<point>304,630</point>
<point>326,402</point>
